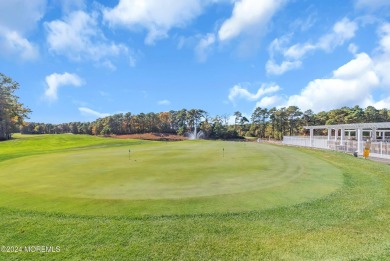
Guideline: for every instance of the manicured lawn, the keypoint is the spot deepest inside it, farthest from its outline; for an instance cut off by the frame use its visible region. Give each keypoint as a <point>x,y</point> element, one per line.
<point>190,200</point>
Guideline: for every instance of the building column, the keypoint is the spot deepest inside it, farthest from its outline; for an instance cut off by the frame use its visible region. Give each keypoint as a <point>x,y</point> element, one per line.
<point>359,140</point>
<point>311,137</point>
<point>336,134</point>
<point>342,136</point>
<point>329,137</point>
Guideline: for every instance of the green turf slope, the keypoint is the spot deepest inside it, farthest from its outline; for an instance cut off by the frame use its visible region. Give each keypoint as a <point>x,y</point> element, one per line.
<point>351,223</point>
<point>159,178</point>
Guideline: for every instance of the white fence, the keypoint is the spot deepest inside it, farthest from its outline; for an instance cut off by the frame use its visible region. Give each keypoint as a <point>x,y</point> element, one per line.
<point>378,149</point>
<point>305,142</point>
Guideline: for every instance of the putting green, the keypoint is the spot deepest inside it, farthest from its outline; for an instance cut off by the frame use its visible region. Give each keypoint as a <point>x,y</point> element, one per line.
<point>160,178</point>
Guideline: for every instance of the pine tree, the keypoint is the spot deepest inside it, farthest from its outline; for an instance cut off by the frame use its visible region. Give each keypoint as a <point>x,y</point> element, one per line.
<point>12,112</point>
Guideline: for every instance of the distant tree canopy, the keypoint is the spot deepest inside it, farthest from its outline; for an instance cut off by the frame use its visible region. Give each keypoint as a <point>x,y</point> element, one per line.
<point>12,112</point>
<point>175,122</point>
<point>264,123</point>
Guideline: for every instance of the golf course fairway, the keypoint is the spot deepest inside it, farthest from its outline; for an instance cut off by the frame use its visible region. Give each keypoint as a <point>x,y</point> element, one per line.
<point>161,178</point>
<point>94,198</point>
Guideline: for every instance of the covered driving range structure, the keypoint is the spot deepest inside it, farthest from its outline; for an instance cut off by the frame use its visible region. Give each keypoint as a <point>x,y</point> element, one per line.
<point>347,138</point>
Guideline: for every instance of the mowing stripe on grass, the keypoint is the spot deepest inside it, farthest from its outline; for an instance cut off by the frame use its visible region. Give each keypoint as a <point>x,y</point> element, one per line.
<point>161,178</point>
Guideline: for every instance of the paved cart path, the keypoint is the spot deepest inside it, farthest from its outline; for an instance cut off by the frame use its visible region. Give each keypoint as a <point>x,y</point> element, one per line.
<point>381,160</point>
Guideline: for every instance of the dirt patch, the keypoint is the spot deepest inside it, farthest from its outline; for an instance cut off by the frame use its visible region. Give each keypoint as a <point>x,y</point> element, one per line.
<point>151,136</point>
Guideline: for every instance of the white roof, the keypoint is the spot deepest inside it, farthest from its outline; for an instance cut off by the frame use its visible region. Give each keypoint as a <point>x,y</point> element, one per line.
<point>372,125</point>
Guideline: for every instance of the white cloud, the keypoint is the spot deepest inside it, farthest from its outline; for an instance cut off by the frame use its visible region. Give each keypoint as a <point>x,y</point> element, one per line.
<point>247,16</point>
<point>353,48</point>
<point>202,44</point>
<point>304,24</point>
<point>109,65</point>
<point>278,44</point>
<point>239,92</point>
<point>55,81</point>
<point>269,101</point>
<point>354,83</point>
<point>204,47</point>
<point>164,102</point>
<point>355,68</point>
<point>362,81</point>
<point>157,17</point>
<point>383,60</point>
<point>385,37</point>
<point>17,19</point>
<point>79,37</point>
<point>21,15</point>
<point>71,5</point>
<point>383,104</point>
<point>342,31</point>
<point>273,68</point>
<point>12,43</point>
<point>371,4</point>
<point>349,85</point>
<point>91,113</point>
<point>297,51</point>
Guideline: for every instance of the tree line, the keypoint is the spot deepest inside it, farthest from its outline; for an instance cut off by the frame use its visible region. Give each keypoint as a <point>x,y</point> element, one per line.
<point>264,123</point>
<point>178,122</point>
<point>278,122</point>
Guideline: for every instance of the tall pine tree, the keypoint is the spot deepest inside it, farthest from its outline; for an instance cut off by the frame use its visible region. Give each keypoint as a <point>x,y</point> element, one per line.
<point>12,112</point>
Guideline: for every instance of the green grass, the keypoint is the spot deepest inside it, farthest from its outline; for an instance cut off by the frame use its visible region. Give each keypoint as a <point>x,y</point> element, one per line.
<point>162,178</point>
<point>26,145</point>
<point>288,203</point>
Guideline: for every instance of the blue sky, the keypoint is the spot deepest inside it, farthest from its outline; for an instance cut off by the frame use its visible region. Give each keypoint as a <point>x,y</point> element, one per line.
<point>79,60</point>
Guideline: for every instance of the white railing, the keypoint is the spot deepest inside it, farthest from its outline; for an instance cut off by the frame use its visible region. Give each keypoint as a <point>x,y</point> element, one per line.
<point>297,141</point>
<point>320,143</point>
<point>378,149</point>
<point>321,137</point>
